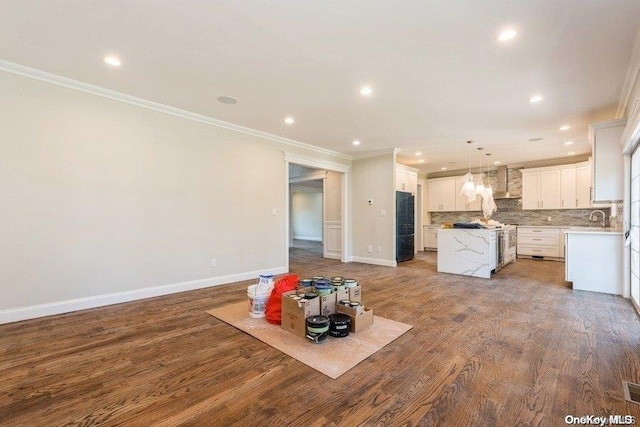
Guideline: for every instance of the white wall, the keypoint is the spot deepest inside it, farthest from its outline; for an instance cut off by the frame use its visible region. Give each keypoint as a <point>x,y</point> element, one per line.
<point>373,179</point>
<point>103,201</point>
<point>306,214</point>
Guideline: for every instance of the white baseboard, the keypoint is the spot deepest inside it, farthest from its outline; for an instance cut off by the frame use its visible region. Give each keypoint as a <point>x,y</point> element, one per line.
<point>313,239</point>
<point>332,256</point>
<point>374,261</point>
<point>59,307</point>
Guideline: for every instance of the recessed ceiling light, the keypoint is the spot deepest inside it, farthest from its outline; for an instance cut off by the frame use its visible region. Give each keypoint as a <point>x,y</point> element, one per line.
<point>535,98</point>
<point>227,100</point>
<point>418,153</point>
<point>356,142</point>
<point>507,35</point>
<point>444,168</point>
<point>571,153</point>
<point>366,90</point>
<point>568,143</point>
<point>289,120</point>
<point>421,161</point>
<point>564,127</point>
<point>497,162</point>
<point>112,60</point>
<point>536,139</point>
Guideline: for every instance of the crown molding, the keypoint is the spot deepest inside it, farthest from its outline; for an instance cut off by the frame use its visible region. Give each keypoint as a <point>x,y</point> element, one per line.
<point>314,162</point>
<point>54,79</point>
<point>375,153</point>
<point>631,78</point>
<point>631,135</point>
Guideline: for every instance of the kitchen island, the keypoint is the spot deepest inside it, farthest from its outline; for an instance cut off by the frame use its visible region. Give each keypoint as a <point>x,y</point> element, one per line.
<point>468,252</point>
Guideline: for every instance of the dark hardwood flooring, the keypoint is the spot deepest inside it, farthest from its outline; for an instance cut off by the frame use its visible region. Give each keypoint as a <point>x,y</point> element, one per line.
<point>520,349</point>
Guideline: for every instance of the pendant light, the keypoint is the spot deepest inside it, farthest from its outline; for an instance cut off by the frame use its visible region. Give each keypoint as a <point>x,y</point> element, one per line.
<point>468,187</point>
<point>488,204</point>
<point>480,188</point>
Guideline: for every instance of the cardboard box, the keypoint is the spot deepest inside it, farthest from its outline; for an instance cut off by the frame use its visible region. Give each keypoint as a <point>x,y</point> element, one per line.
<point>341,295</point>
<point>327,304</point>
<point>355,294</point>
<point>295,312</point>
<point>361,317</point>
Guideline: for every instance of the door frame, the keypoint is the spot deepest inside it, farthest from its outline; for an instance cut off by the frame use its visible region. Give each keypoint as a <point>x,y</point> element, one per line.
<point>344,170</point>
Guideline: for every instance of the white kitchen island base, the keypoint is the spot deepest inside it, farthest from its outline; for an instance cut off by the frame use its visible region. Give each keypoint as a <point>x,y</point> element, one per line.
<point>468,252</point>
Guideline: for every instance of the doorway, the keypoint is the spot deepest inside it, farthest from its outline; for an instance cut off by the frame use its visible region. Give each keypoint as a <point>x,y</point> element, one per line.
<point>335,224</point>
<point>306,212</point>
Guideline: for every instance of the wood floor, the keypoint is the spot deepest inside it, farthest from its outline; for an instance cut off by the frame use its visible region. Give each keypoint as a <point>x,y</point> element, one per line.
<point>519,349</point>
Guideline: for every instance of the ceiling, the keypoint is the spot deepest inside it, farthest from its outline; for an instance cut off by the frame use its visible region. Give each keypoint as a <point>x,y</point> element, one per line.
<point>439,76</point>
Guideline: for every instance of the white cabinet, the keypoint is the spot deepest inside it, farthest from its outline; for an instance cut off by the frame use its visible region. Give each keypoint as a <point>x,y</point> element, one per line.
<point>557,187</point>
<point>594,261</point>
<point>540,242</point>
<point>608,165</point>
<point>530,190</point>
<point>406,179</point>
<point>583,186</point>
<point>541,188</point>
<point>431,237</point>
<point>462,203</point>
<point>442,196</point>
<point>568,184</point>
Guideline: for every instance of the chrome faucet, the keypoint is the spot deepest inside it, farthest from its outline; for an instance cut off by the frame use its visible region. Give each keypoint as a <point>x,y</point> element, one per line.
<point>603,217</point>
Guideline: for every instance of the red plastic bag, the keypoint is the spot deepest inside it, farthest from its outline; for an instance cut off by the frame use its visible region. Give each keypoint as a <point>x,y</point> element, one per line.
<point>273,310</point>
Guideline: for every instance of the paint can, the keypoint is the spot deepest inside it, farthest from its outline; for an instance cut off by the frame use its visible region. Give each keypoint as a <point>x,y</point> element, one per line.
<point>318,328</point>
<point>305,283</point>
<point>339,325</point>
<point>257,301</point>
<point>350,283</point>
<point>323,287</point>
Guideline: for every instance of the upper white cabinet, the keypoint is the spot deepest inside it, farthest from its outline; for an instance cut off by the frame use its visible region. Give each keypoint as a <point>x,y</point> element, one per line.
<point>608,166</point>
<point>557,187</point>
<point>462,203</point>
<point>442,195</point>
<point>568,186</point>
<point>583,185</point>
<point>406,179</point>
<point>541,188</point>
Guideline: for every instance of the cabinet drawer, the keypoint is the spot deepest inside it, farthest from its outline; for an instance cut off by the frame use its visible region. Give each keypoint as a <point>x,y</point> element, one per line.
<point>542,250</point>
<point>538,239</point>
<point>537,232</point>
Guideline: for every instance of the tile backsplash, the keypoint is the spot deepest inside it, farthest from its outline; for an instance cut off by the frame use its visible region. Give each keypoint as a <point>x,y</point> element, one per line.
<point>510,210</point>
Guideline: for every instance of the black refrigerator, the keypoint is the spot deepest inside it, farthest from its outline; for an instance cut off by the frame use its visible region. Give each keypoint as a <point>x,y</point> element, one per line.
<point>405,220</point>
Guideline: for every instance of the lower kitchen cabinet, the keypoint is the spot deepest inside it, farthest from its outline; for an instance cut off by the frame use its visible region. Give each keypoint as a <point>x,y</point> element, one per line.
<point>540,242</point>
<point>594,261</point>
<point>430,237</point>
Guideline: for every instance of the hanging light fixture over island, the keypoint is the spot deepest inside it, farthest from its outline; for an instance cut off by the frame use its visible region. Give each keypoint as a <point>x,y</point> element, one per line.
<point>471,190</point>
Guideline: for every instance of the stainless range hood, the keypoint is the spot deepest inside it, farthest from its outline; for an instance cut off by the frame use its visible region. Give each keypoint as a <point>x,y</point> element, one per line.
<point>502,191</point>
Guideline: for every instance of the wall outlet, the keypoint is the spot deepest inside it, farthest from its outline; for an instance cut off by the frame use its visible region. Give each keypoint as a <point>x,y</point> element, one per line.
<point>383,212</point>
<point>549,218</point>
<point>214,263</point>
<point>274,211</point>
<point>379,249</point>
<point>370,249</point>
